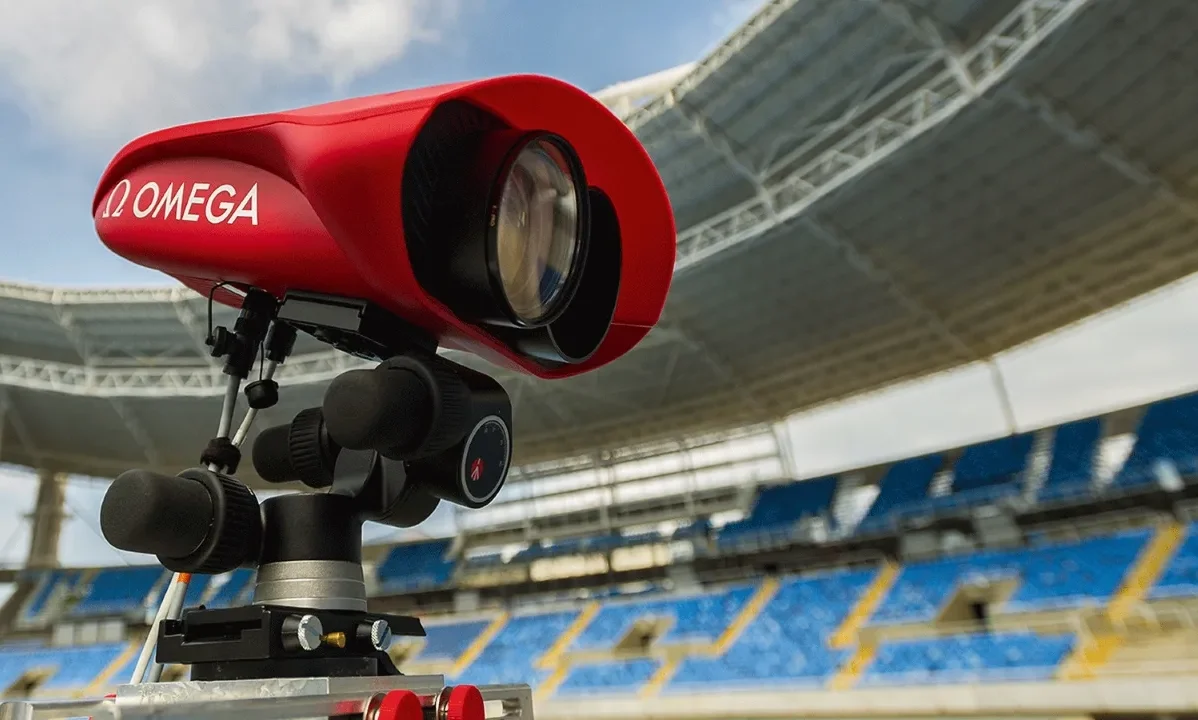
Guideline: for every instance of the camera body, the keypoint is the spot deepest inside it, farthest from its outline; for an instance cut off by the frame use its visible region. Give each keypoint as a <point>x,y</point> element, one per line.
<point>377,199</point>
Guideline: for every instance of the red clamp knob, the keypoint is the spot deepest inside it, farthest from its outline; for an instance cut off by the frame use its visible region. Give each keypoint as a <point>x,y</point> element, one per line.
<point>400,705</point>
<point>465,703</point>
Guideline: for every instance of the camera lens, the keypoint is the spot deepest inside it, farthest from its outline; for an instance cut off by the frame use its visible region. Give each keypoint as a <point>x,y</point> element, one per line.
<point>537,232</point>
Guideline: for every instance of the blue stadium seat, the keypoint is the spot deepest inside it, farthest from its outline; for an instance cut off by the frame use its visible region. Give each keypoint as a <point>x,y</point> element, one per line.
<point>236,585</point>
<point>787,643</point>
<point>995,462</point>
<point>416,566</point>
<point>118,591</point>
<point>1074,453</point>
<point>511,655</point>
<point>699,618</point>
<point>47,583</point>
<point>985,473</point>
<point>1180,578</point>
<point>1052,576</point>
<point>1168,431</point>
<point>905,483</point>
<point>968,658</point>
<point>448,640</point>
<point>585,545</point>
<point>617,676</point>
<point>779,509</point>
<point>72,668</point>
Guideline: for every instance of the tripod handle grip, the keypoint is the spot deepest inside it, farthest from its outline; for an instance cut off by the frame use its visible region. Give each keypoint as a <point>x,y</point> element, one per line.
<point>388,410</point>
<point>147,512</point>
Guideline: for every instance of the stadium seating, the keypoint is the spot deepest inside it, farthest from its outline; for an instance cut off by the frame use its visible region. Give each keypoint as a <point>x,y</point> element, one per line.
<point>787,643</point>
<point>68,668</point>
<point>512,655</point>
<point>779,509</point>
<point>700,618</point>
<point>745,635</point>
<point>617,676</point>
<point>447,641</point>
<point>737,637</point>
<point>416,566</point>
<point>119,591</point>
<point>997,462</point>
<point>1074,454</point>
<point>233,590</point>
<point>48,583</point>
<point>1180,578</point>
<point>585,545</point>
<point>968,658</point>
<point>906,483</point>
<point>1167,431</point>
<point>1051,576</point>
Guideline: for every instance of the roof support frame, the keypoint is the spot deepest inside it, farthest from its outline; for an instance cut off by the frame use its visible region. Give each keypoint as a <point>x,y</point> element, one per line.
<point>924,28</point>
<point>702,70</point>
<point>158,382</point>
<point>989,61</point>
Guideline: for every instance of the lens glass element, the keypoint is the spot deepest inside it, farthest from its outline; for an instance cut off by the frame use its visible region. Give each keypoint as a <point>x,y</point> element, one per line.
<point>537,233</point>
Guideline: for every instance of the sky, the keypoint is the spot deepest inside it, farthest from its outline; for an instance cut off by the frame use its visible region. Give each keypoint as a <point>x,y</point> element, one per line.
<point>79,78</point>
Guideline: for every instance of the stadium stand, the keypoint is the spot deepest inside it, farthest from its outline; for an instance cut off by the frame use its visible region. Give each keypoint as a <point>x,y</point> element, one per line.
<point>905,485</point>
<point>968,658</point>
<point>778,510</point>
<point>415,566</point>
<point>119,590</point>
<point>1030,606</point>
<point>1053,576</point>
<point>1075,451</point>
<point>788,642</point>
<point>1180,578</point>
<point>1168,431</point>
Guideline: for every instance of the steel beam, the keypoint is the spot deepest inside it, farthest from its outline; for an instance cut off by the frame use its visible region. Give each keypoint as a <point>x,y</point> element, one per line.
<point>940,99</point>
<point>197,381</point>
<point>704,69</point>
<point>925,29</point>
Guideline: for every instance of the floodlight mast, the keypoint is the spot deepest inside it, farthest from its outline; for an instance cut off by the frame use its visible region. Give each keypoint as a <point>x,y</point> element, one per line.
<point>387,445</point>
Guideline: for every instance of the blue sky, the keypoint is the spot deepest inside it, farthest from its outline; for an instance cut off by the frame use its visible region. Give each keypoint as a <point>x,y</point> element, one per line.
<point>79,78</point>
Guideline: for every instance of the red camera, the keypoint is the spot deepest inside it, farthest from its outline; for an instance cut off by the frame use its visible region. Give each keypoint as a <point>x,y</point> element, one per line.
<point>515,218</point>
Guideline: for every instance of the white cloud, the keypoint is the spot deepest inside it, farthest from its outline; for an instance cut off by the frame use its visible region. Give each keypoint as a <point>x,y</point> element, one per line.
<point>95,70</point>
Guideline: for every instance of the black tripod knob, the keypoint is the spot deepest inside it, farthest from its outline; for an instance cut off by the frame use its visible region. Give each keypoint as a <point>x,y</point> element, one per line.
<point>408,407</point>
<point>198,521</point>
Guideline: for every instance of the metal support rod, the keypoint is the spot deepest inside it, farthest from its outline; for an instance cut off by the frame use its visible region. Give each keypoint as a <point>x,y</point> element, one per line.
<point>1004,396</point>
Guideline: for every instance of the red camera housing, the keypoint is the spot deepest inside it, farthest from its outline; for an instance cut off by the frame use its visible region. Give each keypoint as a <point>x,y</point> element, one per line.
<point>310,200</point>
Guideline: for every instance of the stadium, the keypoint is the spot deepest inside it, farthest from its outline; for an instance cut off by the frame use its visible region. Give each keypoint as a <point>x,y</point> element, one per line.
<point>867,192</point>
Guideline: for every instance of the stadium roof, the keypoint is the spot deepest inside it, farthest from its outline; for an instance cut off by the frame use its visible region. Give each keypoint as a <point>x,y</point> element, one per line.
<point>867,192</point>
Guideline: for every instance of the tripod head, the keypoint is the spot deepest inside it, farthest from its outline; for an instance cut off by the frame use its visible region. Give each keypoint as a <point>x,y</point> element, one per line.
<point>387,445</point>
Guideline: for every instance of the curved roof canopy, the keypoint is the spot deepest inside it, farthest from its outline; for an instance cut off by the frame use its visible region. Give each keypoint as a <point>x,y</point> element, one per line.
<point>868,192</point>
